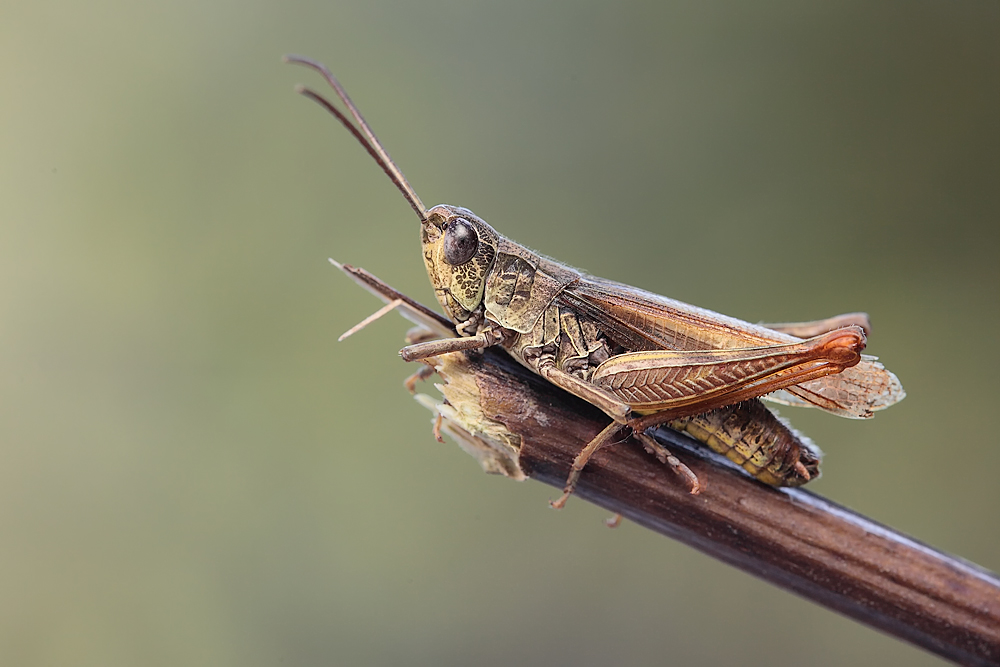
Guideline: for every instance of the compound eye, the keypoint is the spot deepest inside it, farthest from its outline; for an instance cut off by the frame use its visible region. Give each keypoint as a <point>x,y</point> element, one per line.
<point>460,242</point>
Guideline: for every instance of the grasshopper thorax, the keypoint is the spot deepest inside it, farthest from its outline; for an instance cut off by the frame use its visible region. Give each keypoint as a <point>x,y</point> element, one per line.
<point>459,251</point>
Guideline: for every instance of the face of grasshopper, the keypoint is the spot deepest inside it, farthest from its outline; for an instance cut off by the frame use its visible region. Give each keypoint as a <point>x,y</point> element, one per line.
<point>459,250</point>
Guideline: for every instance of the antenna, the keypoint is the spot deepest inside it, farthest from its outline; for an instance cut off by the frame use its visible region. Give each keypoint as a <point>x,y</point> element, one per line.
<point>359,128</point>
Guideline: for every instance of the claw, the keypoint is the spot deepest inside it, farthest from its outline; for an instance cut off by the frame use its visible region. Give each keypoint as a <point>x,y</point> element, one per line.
<point>561,502</point>
<point>437,428</point>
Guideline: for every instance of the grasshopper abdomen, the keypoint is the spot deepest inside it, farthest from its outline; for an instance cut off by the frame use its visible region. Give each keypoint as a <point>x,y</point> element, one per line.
<point>757,440</point>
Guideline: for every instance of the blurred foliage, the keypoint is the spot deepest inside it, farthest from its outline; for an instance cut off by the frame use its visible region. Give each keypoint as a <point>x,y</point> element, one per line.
<point>195,473</point>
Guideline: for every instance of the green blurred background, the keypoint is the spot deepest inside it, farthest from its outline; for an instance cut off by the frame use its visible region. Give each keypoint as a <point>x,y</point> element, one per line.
<point>194,472</point>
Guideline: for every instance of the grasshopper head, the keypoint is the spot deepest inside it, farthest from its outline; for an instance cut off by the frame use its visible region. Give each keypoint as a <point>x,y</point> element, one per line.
<point>459,249</point>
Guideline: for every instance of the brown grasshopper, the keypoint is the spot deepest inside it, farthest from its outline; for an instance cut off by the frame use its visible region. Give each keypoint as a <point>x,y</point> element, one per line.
<point>644,359</point>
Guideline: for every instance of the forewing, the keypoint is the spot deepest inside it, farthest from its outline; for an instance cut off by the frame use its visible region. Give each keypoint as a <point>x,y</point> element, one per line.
<point>639,320</point>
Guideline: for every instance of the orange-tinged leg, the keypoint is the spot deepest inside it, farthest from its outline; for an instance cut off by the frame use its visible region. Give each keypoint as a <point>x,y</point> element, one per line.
<point>675,383</point>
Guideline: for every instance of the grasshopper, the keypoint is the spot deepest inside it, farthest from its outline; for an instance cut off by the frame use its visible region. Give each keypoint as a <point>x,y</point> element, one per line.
<point>645,360</point>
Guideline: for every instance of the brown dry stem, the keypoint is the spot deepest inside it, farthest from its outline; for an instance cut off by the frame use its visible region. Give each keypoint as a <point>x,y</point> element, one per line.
<point>518,425</point>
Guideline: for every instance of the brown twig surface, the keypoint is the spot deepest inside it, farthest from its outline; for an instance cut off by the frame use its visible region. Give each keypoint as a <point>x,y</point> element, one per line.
<point>791,538</point>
